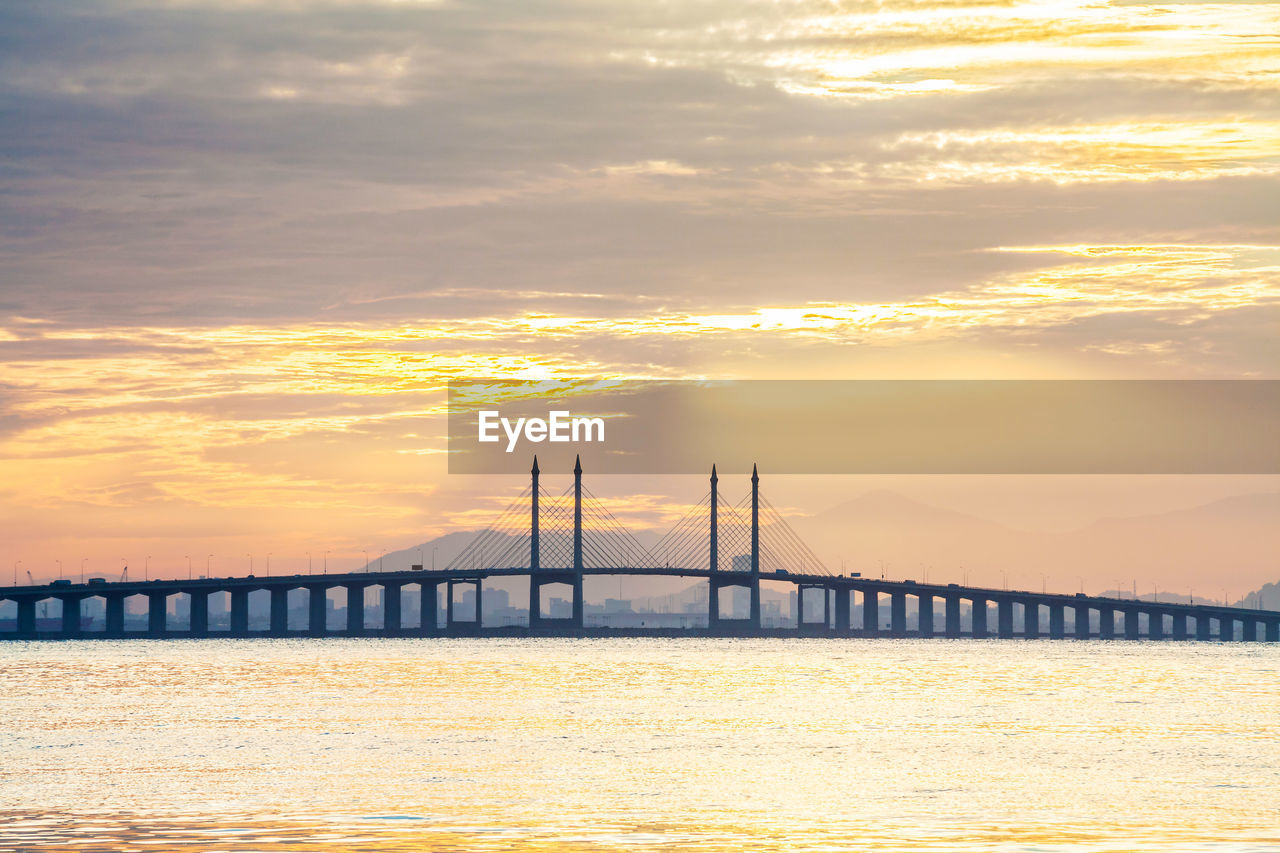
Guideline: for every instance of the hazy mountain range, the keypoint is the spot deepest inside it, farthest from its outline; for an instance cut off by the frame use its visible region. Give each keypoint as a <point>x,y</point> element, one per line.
<point>1231,543</point>
<point>1227,548</point>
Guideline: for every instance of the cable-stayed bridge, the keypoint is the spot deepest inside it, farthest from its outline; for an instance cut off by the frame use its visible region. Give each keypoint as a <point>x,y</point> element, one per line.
<point>561,539</point>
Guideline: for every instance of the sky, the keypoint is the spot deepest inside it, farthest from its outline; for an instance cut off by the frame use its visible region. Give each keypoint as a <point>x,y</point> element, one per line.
<point>243,245</point>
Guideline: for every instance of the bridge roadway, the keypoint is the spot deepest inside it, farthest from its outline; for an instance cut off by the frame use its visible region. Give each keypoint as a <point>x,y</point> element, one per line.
<point>965,610</point>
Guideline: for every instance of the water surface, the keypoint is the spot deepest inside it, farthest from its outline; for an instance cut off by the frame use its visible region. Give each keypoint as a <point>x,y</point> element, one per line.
<point>556,744</point>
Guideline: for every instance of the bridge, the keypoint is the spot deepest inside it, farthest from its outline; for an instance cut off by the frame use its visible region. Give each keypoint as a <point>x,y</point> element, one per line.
<point>559,540</point>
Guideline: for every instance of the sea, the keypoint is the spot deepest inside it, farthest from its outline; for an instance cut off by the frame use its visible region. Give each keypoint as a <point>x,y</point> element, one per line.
<point>639,744</point>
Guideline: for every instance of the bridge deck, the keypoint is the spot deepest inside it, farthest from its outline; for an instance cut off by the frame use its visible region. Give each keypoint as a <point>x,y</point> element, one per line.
<point>834,620</point>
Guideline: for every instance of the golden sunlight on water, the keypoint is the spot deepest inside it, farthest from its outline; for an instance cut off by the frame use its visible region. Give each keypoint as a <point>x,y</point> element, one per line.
<point>639,744</point>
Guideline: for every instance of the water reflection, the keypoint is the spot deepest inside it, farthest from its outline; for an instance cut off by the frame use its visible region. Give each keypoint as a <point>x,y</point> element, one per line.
<point>650,744</point>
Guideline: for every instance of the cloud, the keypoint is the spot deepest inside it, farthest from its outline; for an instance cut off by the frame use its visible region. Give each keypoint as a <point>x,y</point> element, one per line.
<point>245,236</point>
<point>239,161</point>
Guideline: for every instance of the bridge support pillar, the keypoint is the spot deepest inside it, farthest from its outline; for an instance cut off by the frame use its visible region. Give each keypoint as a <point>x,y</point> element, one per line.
<point>239,612</point>
<point>535,603</point>
<point>355,608</point>
<point>924,607</point>
<point>115,615</point>
<point>1273,631</point>
<point>454,625</point>
<point>1250,629</point>
<point>1204,631</point>
<point>801,625</point>
<point>156,602</point>
<point>1083,630</point>
<point>428,603</point>
<point>1131,623</point>
<point>26,617</point>
<point>578,608</point>
<point>842,609</point>
<point>317,610</point>
<point>1057,621</point>
<point>1004,618</point>
<point>871,612</point>
<point>1155,624</point>
<point>1031,619</point>
<point>718,582</point>
<point>1106,623</point>
<point>391,608</point>
<point>1179,626</point>
<point>1226,629</point>
<point>754,613</point>
<point>978,617</point>
<point>951,615</point>
<point>70,616</point>
<point>898,614</point>
<point>199,612</point>
<point>279,611</point>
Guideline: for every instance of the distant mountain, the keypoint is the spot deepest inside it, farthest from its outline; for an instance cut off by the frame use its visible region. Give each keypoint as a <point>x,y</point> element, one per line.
<point>1227,545</point>
<point>909,538</point>
<point>441,551</point>
<point>1209,552</point>
<point>1266,598</point>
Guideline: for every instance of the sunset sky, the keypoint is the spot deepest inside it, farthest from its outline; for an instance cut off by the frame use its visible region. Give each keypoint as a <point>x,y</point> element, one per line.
<point>243,245</point>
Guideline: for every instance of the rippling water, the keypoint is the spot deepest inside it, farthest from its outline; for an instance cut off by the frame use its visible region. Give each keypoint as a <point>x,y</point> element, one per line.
<point>649,744</point>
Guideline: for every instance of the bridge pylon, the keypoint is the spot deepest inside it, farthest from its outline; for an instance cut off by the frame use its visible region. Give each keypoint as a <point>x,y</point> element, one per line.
<point>577,542</point>
<point>755,548</point>
<point>713,588</point>
<point>718,579</point>
<point>535,588</point>
<point>539,575</point>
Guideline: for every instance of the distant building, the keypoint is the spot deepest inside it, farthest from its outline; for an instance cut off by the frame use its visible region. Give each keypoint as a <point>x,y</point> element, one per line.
<point>647,620</point>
